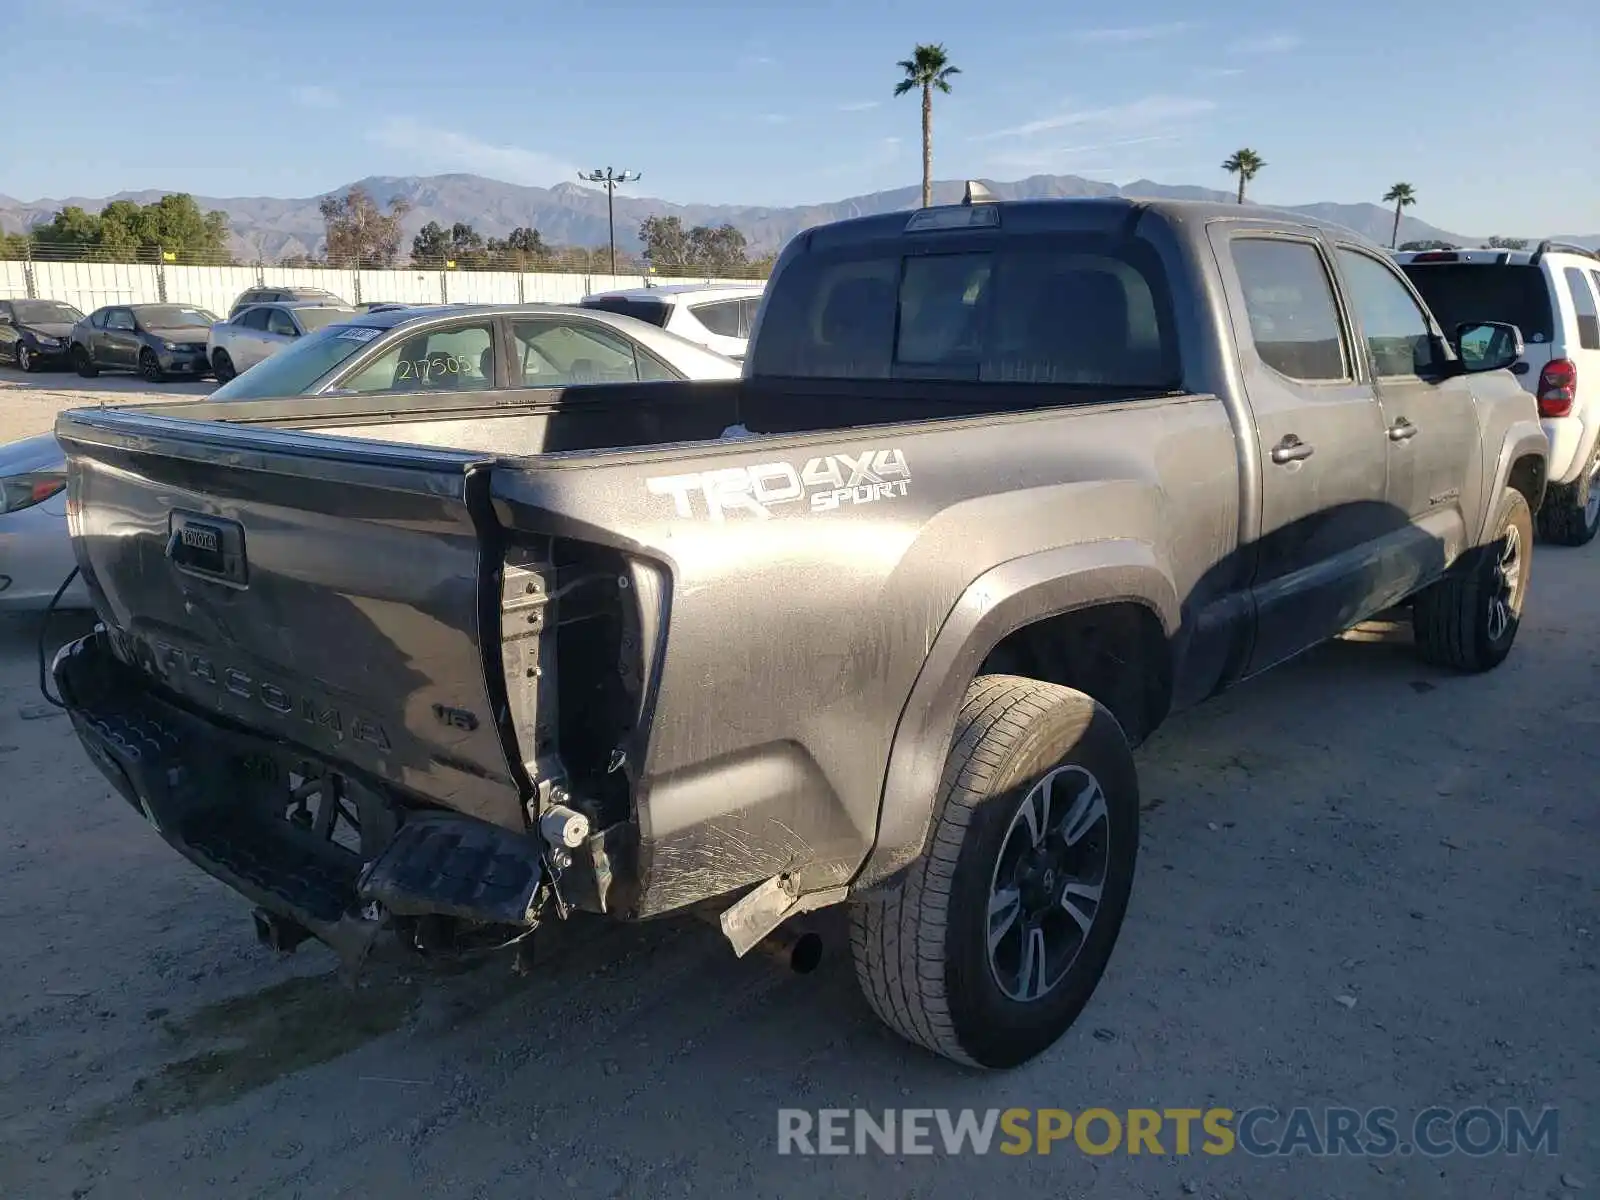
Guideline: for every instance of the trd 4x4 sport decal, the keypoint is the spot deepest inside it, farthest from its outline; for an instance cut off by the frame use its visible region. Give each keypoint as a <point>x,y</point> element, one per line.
<point>766,490</point>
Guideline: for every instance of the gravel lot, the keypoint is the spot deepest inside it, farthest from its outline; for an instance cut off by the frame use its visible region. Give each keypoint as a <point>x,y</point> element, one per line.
<point>1363,882</point>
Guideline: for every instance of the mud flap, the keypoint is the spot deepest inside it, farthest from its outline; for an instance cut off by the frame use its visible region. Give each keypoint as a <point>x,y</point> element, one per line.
<point>459,867</point>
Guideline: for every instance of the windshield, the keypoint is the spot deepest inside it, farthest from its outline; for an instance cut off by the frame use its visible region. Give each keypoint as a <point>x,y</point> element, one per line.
<point>316,318</point>
<point>172,316</point>
<point>45,312</point>
<point>294,371</point>
<point>1078,311</point>
<point>1465,293</point>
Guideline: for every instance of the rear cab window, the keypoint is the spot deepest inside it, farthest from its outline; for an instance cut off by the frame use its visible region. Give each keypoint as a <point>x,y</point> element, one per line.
<point>1470,293</point>
<point>1078,309</point>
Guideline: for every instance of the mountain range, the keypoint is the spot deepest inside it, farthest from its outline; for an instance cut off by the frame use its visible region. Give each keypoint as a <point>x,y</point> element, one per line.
<point>270,228</point>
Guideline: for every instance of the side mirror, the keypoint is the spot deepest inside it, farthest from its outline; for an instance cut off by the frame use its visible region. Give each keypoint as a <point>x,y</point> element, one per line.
<point>1487,345</point>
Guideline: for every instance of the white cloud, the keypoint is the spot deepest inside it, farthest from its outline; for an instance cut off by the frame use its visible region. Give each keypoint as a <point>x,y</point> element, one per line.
<point>1061,158</point>
<point>314,95</point>
<point>432,148</point>
<point>1268,43</point>
<point>1145,113</point>
<point>860,106</point>
<point>1133,33</point>
<point>1218,72</point>
<point>756,60</point>
<point>774,119</point>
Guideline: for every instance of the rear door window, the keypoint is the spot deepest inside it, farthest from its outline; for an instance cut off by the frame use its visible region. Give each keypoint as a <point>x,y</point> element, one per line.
<point>1583,303</point>
<point>278,322</point>
<point>1067,310</point>
<point>555,353</point>
<point>1470,293</point>
<point>1288,299</point>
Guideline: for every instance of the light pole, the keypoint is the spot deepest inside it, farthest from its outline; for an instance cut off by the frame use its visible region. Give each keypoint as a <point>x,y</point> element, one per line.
<point>610,181</point>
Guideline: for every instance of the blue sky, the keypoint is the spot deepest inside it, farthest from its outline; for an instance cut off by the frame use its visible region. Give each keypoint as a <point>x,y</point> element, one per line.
<point>748,103</point>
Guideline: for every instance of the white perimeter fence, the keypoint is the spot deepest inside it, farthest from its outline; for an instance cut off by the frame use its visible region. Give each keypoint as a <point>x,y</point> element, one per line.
<point>88,286</point>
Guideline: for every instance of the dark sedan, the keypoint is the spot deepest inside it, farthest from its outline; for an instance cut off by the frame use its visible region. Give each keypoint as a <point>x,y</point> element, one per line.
<point>155,340</point>
<point>36,333</point>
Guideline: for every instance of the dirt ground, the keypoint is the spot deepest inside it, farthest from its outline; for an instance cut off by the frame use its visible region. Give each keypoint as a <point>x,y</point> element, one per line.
<point>1362,882</point>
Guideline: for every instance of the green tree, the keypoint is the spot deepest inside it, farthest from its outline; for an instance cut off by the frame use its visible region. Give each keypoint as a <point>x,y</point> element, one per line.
<point>1246,164</point>
<point>927,70</point>
<point>1506,243</point>
<point>520,250</point>
<point>14,245</point>
<point>666,244</point>
<point>1402,196</point>
<point>717,251</point>
<point>1429,244</point>
<point>359,233</point>
<point>127,232</point>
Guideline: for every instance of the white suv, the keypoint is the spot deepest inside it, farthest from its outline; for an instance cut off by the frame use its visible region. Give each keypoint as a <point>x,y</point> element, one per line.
<point>1551,293</point>
<point>717,316</point>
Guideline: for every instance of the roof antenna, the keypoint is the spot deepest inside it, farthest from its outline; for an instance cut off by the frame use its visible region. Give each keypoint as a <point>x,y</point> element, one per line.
<point>977,193</point>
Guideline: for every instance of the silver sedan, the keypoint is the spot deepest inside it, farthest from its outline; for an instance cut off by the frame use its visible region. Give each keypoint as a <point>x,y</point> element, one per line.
<point>35,552</point>
<point>409,351</point>
<point>259,331</point>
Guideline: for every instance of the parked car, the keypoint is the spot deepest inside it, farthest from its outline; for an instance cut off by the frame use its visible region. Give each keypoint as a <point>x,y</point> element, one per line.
<point>36,333</point>
<point>259,331</point>
<point>1004,485</point>
<point>282,295</point>
<point>35,551</point>
<point>1552,293</point>
<point>718,316</point>
<point>451,348</point>
<point>405,350</point>
<point>156,340</point>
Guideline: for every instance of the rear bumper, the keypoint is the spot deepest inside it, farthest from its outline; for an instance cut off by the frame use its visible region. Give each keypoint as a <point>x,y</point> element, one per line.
<point>180,772</point>
<point>1571,443</point>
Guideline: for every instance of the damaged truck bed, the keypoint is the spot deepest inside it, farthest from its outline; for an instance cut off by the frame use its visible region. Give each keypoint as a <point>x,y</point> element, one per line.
<point>1004,485</point>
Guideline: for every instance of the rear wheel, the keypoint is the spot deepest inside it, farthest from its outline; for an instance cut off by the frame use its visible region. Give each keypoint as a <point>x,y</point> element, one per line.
<point>222,365</point>
<point>82,363</point>
<point>1469,619</point>
<point>997,936</point>
<point>150,367</point>
<point>1570,514</point>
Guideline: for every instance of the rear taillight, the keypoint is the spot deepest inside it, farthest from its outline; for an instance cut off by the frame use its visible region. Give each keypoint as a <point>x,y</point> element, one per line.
<point>24,491</point>
<point>1558,387</point>
<point>1437,256</point>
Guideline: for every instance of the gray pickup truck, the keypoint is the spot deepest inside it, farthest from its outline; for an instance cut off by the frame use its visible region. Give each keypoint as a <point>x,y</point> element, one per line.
<point>1003,486</point>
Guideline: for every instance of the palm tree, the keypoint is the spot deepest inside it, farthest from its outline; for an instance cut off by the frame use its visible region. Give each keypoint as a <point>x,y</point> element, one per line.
<point>1401,195</point>
<point>1246,164</point>
<point>927,68</point>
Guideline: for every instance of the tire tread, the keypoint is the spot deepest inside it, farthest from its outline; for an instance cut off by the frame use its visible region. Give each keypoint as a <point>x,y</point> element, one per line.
<point>898,940</point>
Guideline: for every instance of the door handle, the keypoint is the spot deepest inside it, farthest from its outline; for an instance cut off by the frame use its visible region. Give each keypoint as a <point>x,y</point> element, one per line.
<point>1402,430</point>
<point>1291,449</point>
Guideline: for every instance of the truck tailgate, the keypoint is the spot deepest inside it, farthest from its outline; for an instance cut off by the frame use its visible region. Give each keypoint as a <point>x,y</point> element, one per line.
<point>323,590</point>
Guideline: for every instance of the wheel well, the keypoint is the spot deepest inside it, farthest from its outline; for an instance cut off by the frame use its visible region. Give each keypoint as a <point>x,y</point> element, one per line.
<point>1527,476</point>
<point>1115,653</point>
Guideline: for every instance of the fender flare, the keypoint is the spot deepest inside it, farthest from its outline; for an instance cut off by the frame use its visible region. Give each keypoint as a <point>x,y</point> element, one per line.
<point>995,604</point>
<point>1521,439</point>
